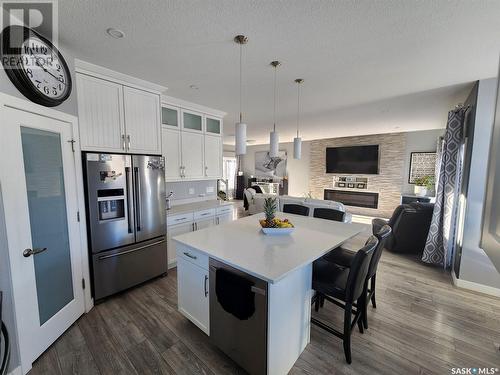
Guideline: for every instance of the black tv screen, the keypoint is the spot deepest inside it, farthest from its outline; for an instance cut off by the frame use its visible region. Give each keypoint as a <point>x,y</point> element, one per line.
<point>354,159</point>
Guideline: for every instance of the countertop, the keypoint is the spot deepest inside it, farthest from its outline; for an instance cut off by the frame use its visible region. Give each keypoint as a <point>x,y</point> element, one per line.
<point>197,206</point>
<point>242,244</point>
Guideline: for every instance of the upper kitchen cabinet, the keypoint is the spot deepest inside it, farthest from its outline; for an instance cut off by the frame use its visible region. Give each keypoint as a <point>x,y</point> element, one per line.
<point>192,121</point>
<point>100,109</point>
<point>213,156</point>
<point>117,113</point>
<point>142,121</point>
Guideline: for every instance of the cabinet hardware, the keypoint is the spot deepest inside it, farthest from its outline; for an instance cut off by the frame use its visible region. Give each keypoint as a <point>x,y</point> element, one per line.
<point>83,283</point>
<point>190,255</point>
<point>128,140</point>
<point>123,142</point>
<point>205,286</point>
<point>72,141</point>
<point>182,218</point>
<point>195,226</point>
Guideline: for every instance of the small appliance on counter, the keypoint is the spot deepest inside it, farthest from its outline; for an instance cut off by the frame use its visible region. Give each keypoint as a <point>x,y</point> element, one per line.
<point>126,220</point>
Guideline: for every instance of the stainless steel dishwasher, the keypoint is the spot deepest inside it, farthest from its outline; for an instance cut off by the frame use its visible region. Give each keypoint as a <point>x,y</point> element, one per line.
<point>245,341</point>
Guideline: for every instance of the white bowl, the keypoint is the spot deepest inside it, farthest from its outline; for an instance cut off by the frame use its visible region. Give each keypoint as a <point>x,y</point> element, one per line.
<point>277,231</point>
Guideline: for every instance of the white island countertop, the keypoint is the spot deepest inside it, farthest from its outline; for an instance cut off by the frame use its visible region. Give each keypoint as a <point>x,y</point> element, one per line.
<point>241,244</point>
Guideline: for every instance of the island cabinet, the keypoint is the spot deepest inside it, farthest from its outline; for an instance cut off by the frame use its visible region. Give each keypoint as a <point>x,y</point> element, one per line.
<point>191,141</point>
<point>196,219</point>
<point>193,288</point>
<point>114,117</point>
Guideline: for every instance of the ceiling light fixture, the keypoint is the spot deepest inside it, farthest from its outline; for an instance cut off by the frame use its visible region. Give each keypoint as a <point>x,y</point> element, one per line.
<point>297,141</point>
<point>274,136</point>
<point>115,33</point>
<point>241,127</point>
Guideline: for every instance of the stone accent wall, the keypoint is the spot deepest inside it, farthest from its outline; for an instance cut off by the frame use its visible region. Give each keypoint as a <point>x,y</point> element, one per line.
<point>388,183</point>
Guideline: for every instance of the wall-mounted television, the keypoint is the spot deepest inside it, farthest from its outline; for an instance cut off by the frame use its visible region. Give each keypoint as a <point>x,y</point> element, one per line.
<point>353,159</point>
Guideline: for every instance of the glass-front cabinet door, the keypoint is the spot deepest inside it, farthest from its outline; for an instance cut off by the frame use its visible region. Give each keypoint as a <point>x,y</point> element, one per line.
<point>37,171</point>
<point>192,121</point>
<point>213,125</point>
<point>170,116</point>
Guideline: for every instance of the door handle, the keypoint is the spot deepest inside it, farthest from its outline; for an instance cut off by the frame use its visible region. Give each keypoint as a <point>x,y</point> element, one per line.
<point>129,201</point>
<point>205,286</point>
<point>138,212</point>
<point>123,142</point>
<point>36,250</point>
<point>128,141</point>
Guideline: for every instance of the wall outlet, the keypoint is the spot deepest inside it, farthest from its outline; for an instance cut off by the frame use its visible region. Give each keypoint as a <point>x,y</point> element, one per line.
<point>191,191</point>
<point>210,189</point>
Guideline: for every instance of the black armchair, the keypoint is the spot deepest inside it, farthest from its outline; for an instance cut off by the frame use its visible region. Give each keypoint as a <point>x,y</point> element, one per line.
<point>410,225</point>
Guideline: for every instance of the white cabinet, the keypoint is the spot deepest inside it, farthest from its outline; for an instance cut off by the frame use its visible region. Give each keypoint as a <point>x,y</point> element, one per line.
<point>225,218</point>
<point>117,118</point>
<point>100,113</point>
<point>171,150</point>
<point>172,231</point>
<point>193,293</point>
<point>213,156</point>
<point>192,155</point>
<point>205,223</point>
<point>142,121</point>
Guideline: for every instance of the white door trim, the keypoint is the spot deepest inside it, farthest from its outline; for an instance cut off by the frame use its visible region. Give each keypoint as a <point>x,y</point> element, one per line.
<point>7,101</point>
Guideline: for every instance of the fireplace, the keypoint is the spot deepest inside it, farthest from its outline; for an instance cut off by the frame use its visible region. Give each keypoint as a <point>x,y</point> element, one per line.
<point>352,198</point>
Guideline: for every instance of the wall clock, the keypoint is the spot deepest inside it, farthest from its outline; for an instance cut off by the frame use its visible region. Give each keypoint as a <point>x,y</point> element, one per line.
<point>35,66</point>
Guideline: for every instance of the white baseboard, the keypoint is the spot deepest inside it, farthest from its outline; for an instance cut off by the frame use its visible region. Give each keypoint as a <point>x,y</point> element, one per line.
<point>475,287</point>
<point>16,371</point>
<point>172,264</point>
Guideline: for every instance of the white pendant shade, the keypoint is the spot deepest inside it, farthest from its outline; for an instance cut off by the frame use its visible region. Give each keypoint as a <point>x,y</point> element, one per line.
<point>240,138</point>
<point>297,148</point>
<point>274,143</point>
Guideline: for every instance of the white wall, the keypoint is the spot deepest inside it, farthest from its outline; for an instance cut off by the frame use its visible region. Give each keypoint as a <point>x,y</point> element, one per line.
<point>475,265</point>
<point>298,170</point>
<point>421,141</point>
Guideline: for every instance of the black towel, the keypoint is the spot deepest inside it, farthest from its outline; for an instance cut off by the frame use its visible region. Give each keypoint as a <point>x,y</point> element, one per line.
<point>234,294</point>
<point>258,189</point>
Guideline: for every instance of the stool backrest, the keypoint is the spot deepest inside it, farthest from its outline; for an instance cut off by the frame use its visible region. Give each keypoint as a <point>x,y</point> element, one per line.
<point>296,209</point>
<point>329,214</point>
<point>381,235</point>
<point>359,270</point>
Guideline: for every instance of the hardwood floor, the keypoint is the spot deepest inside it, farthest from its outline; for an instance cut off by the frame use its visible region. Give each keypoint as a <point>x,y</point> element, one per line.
<point>422,325</point>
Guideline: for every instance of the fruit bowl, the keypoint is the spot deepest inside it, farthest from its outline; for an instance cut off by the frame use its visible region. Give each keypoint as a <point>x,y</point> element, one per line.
<point>276,227</point>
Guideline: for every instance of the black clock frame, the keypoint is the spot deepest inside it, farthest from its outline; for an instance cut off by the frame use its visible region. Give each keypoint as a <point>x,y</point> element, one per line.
<point>18,76</point>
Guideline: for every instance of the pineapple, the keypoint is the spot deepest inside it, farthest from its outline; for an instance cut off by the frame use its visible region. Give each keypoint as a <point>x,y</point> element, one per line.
<point>270,210</point>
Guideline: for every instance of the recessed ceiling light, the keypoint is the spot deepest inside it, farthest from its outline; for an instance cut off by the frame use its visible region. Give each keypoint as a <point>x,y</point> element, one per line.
<point>115,33</point>
<point>194,87</point>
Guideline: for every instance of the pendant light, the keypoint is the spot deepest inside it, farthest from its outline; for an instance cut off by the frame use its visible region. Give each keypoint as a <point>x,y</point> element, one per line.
<point>273,136</point>
<point>240,131</point>
<point>297,141</point>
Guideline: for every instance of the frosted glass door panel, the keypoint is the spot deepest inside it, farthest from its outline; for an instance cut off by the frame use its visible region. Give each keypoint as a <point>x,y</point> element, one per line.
<point>48,220</point>
<point>192,121</point>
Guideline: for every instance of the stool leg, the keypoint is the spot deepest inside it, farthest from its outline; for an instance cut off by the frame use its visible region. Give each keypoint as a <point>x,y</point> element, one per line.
<point>347,332</point>
<point>364,315</point>
<point>372,288</point>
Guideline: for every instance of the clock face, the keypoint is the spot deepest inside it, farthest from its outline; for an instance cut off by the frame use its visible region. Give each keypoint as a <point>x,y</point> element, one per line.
<point>39,71</point>
<point>43,68</point>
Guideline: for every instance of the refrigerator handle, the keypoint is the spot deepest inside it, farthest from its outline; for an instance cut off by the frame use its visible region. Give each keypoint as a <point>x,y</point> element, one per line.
<point>138,212</point>
<point>127,183</point>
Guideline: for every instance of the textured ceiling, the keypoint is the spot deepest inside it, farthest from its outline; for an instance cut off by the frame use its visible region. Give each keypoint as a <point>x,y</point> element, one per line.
<point>354,56</point>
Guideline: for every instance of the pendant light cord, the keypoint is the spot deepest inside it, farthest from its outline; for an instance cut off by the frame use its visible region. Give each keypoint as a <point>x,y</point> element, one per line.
<point>298,107</point>
<point>275,94</point>
<point>241,82</point>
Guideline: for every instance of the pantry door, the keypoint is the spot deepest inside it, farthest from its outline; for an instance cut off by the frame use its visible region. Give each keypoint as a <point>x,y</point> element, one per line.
<point>39,195</point>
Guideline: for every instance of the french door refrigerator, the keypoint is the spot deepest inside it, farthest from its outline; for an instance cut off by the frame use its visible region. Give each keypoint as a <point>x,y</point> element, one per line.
<point>126,220</point>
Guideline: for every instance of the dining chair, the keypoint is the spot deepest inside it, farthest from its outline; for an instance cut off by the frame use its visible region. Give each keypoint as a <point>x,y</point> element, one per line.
<point>296,209</point>
<point>344,258</point>
<point>344,287</point>
<point>329,214</point>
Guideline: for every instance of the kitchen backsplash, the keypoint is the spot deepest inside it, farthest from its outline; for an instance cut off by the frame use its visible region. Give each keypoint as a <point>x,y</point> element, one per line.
<point>192,190</point>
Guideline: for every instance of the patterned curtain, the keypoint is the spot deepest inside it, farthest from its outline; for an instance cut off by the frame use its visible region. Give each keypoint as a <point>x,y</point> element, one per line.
<point>440,243</point>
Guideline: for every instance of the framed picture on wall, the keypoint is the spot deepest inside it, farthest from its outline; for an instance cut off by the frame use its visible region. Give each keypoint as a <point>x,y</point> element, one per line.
<point>421,164</point>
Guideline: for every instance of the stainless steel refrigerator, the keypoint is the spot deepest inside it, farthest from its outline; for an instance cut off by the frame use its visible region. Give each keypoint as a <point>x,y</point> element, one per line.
<point>126,220</point>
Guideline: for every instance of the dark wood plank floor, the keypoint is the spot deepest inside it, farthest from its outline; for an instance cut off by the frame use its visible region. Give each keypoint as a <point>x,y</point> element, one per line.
<point>422,325</point>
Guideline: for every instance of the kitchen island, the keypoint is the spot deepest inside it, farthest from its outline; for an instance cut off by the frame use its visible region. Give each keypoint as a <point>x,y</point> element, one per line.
<point>279,268</point>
